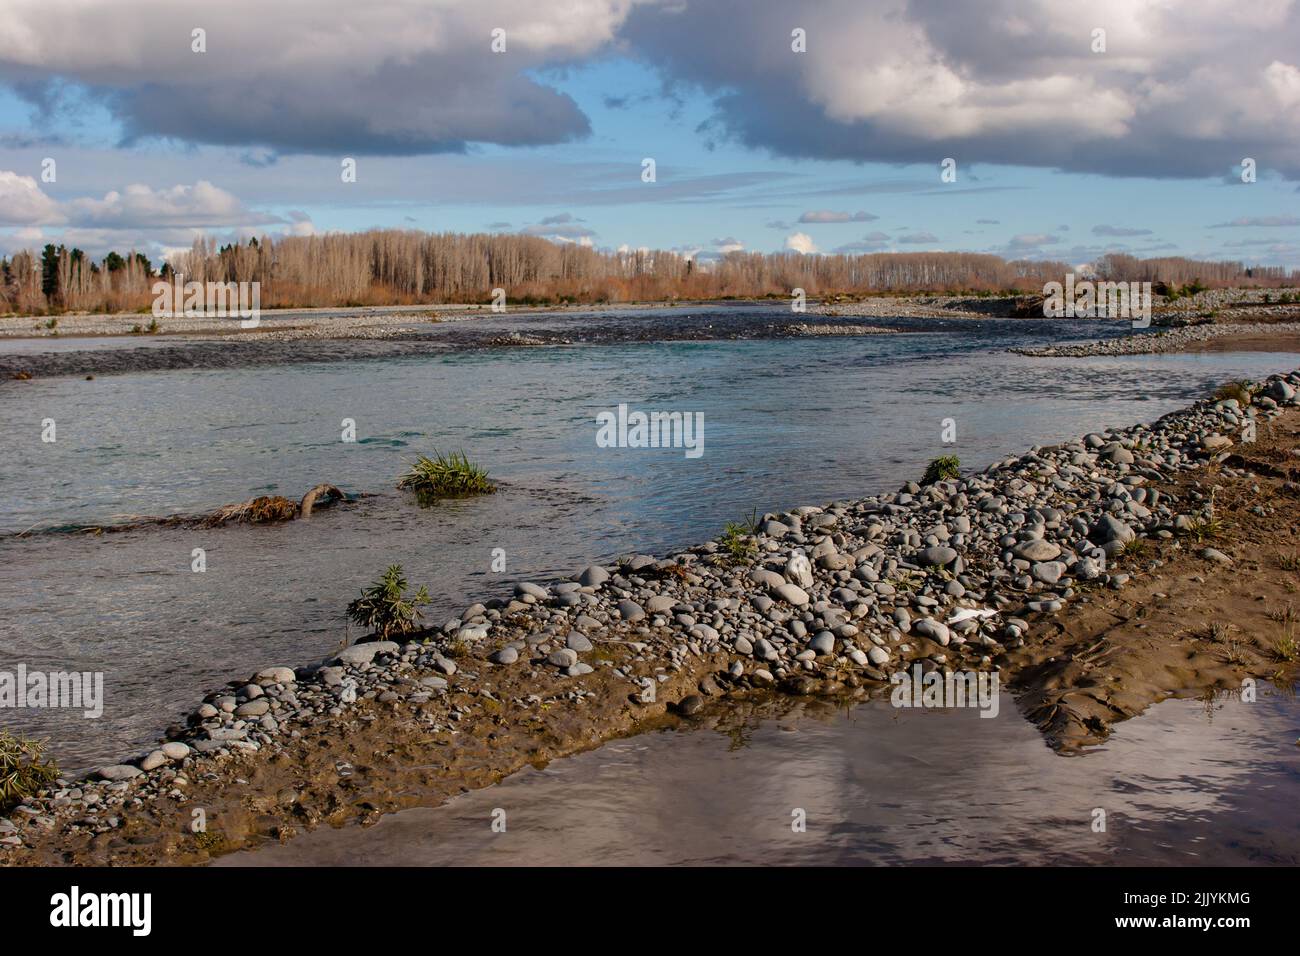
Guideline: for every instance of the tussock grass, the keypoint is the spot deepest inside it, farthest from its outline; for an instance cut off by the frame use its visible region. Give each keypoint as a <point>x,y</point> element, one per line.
<point>384,608</point>
<point>1285,615</point>
<point>446,476</point>
<point>23,769</point>
<point>1133,548</point>
<point>943,468</point>
<point>1286,648</point>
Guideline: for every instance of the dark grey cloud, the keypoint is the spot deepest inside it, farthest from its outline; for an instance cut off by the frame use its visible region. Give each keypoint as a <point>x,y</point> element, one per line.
<point>399,77</point>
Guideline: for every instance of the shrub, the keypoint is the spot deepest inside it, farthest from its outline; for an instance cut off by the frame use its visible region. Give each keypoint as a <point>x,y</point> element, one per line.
<point>446,476</point>
<point>383,606</point>
<point>944,468</point>
<point>23,769</point>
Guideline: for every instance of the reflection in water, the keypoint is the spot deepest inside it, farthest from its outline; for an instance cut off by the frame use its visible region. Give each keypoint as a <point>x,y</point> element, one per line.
<point>1189,782</point>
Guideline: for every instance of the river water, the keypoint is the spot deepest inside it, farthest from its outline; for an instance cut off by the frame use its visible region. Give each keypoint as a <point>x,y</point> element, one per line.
<point>1189,783</point>
<point>787,422</point>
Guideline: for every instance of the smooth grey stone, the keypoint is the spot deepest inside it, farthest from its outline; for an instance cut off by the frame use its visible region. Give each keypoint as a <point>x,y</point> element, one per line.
<point>505,655</point>
<point>563,657</point>
<point>577,642</point>
<point>1037,550</point>
<point>822,643</point>
<point>935,630</point>
<point>253,708</point>
<point>1108,528</point>
<point>768,579</point>
<point>791,594</point>
<point>118,772</point>
<point>937,556</point>
<point>629,610</point>
<point>153,761</point>
<point>593,576</point>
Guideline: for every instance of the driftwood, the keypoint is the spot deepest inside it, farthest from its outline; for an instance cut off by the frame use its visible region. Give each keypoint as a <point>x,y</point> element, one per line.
<point>321,495</point>
<point>266,509</point>
<point>269,509</point>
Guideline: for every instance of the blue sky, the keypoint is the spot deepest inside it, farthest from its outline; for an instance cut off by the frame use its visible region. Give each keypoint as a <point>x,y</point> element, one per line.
<point>731,173</point>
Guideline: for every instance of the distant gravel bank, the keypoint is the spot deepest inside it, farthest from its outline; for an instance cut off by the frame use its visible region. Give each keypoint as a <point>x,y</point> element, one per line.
<point>1174,340</point>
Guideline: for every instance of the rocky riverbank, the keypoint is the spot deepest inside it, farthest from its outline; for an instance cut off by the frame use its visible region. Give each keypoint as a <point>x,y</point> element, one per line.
<point>1224,306</point>
<point>1285,334</point>
<point>990,570</point>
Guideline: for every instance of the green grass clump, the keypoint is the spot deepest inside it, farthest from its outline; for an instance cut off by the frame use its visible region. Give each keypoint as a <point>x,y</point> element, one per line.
<point>1133,548</point>
<point>384,608</point>
<point>1286,648</point>
<point>1205,528</point>
<point>943,468</point>
<point>446,476</point>
<point>23,769</point>
<point>738,539</point>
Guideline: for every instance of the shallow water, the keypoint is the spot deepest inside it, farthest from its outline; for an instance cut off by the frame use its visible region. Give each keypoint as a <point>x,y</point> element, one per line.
<point>1189,783</point>
<point>787,422</point>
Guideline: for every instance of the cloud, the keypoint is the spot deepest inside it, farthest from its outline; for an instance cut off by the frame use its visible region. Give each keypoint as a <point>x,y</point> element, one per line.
<point>1184,90</point>
<point>1032,240</point>
<point>871,242</point>
<point>561,228</point>
<point>134,217</point>
<point>23,203</point>
<point>312,76</point>
<point>1119,231</point>
<point>201,205</point>
<point>828,216</point>
<point>729,244</point>
<point>198,206</point>
<point>1265,221</point>
<point>917,238</point>
<point>988,222</point>
<point>801,243</point>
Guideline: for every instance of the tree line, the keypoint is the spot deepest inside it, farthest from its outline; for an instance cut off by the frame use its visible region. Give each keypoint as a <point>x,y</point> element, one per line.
<point>395,267</point>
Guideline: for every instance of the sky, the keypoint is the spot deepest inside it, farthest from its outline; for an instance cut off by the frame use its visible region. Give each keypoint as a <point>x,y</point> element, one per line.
<point>803,125</point>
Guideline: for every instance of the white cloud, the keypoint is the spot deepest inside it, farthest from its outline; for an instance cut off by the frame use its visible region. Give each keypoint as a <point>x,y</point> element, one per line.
<point>23,203</point>
<point>134,217</point>
<point>801,243</point>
